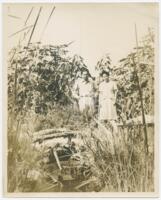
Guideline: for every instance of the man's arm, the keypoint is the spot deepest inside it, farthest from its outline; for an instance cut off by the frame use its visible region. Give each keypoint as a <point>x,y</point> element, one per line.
<point>75,91</point>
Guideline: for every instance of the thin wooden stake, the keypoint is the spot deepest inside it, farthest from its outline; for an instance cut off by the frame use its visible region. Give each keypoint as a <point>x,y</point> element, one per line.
<point>34,26</point>
<point>13,16</point>
<point>21,30</point>
<point>141,98</point>
<point>47,23</point>
<point>29,15</point>
<point>57,159</point>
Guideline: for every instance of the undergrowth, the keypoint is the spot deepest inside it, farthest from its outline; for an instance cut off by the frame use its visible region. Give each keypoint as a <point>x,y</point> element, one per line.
<point>118,161</point>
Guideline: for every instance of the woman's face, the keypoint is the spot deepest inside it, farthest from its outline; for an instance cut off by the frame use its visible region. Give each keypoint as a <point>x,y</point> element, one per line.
<point>105,77</point>
<point>85,76</point>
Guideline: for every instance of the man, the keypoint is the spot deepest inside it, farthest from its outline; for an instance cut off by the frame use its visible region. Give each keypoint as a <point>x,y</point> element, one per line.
<point>83,92</point>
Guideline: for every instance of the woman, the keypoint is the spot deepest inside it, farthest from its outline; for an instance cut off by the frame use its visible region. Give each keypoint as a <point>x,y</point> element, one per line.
<point>107,98</point>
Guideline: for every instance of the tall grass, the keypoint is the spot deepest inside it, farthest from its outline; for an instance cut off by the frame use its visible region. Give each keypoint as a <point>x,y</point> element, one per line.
<point>23,160</point>
<point>21,155</point>
<point>119,160</point>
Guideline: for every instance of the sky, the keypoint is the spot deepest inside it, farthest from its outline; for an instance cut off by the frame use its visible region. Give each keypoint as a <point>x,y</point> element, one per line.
<point>96,29</point>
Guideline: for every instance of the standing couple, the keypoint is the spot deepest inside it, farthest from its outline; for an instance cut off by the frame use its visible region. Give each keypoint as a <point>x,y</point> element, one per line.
<point>87,93</point>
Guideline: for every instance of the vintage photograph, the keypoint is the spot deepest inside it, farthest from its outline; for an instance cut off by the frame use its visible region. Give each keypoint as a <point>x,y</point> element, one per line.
<point>82,85</point>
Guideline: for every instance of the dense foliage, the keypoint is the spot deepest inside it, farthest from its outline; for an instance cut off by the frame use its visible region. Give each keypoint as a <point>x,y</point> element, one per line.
<point>104,64</point>
<point>41,76</point>
<point>136,71</point>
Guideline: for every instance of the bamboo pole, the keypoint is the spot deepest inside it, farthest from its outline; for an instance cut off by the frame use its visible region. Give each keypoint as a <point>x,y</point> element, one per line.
<point>34,26</point>
<point>141,97</point>
<point>13,16</point>
<point>20,30</point>
<point>47,23</point>
<point>28,16</point>
<point>15,84</point>
<point>25,33</point>
<point>143,119</point>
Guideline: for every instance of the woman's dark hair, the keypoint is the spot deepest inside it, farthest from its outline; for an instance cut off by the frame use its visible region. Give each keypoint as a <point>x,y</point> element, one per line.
<point>87,71</point>
<point>104,72</point>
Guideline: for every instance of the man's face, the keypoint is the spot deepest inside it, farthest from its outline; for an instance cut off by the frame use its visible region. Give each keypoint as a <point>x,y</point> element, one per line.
<point>85,76</point>
<point>105,77</point>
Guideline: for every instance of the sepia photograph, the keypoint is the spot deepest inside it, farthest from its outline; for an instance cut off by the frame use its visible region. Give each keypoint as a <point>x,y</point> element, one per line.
<point>81,93</point>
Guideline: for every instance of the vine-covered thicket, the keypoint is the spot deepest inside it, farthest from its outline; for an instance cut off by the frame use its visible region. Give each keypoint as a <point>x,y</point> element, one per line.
<point>41,76</point>
<point>136,70</point>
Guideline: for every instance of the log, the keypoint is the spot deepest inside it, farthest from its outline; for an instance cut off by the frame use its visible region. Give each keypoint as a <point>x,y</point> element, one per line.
<point>49,131</point>
<point>50,136</point>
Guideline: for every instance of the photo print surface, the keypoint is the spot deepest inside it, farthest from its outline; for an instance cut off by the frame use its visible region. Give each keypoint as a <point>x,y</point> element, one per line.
<point>81,98</point>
